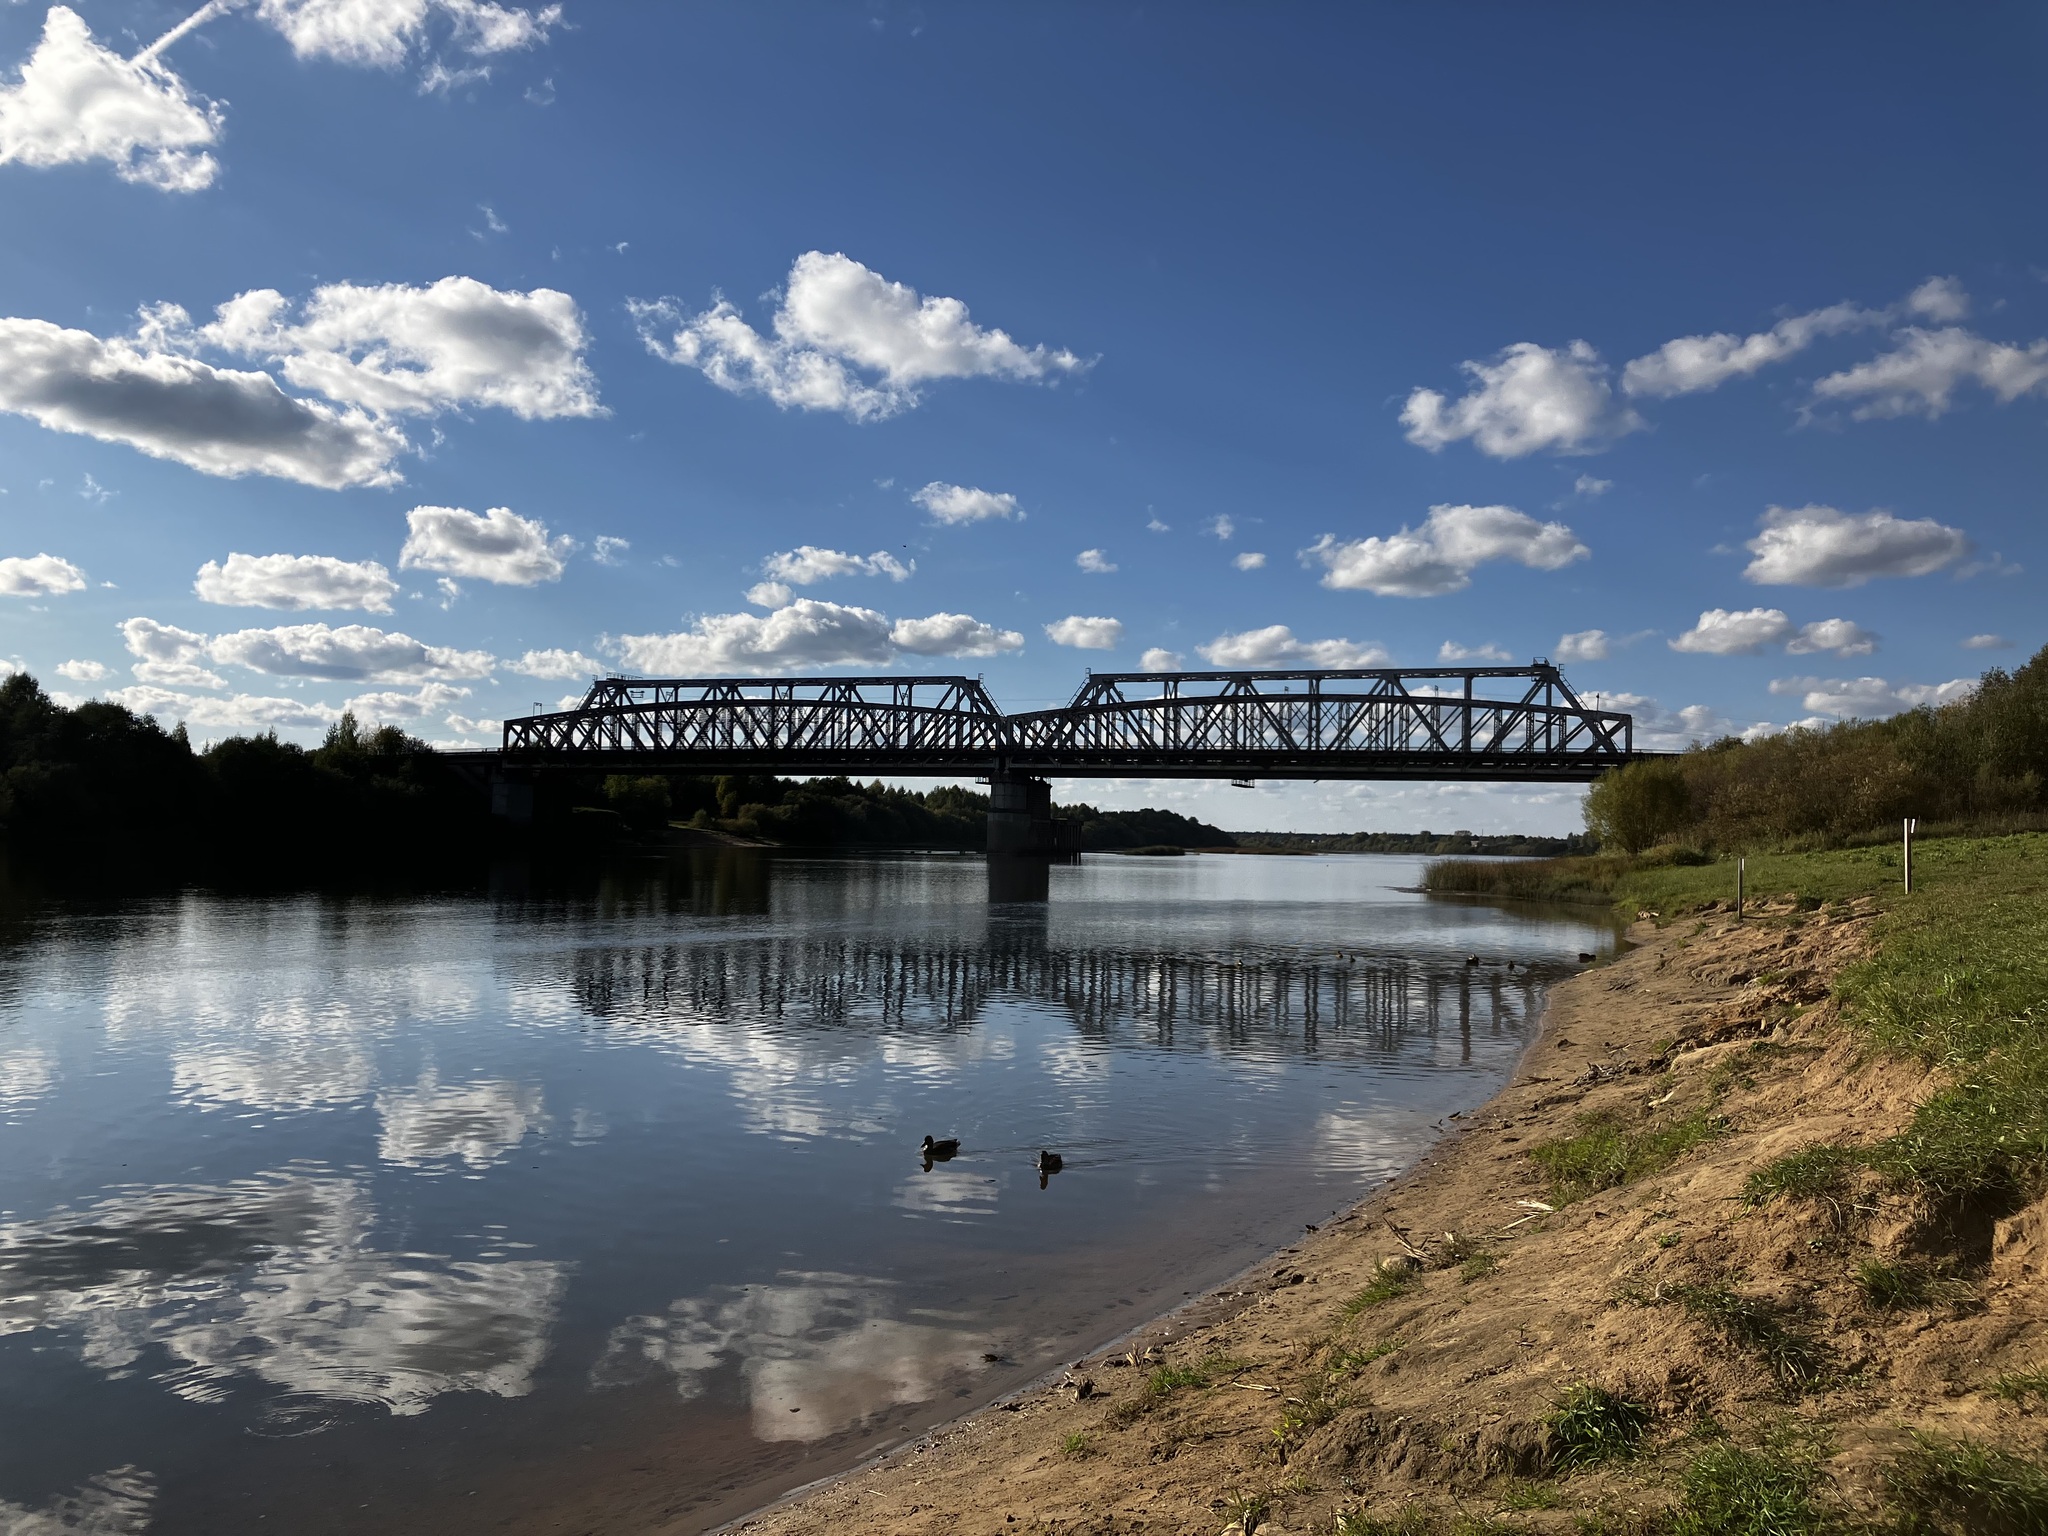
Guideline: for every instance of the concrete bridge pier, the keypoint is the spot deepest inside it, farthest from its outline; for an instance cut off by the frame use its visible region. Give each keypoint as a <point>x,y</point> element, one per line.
<point>1020,819</point>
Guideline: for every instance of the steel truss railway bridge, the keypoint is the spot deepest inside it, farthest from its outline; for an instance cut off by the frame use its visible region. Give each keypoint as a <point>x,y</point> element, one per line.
<point>1472,723</point>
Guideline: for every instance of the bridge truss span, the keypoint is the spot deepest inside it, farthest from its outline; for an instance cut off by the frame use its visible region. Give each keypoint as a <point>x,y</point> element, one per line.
<point>1499,723</point>
<point>1449,722</point>
<point>783,725</point>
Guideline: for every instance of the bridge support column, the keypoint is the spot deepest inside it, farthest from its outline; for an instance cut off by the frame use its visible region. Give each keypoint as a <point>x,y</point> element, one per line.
<point>1020,818</point>
<point>512,797</point>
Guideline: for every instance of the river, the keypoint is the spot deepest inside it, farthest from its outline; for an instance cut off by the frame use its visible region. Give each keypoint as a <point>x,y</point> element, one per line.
<point>460,1212</point>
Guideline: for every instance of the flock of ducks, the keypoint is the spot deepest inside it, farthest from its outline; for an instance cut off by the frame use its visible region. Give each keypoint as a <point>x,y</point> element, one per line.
<point>943,1149</point>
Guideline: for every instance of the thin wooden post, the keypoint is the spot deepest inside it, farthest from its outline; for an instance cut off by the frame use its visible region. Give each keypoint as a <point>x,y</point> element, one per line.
<point>1912,824</point>
<point>1740,863</point>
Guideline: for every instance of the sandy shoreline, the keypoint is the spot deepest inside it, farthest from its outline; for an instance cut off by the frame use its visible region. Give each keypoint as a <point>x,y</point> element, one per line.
<point>1311,1387</point>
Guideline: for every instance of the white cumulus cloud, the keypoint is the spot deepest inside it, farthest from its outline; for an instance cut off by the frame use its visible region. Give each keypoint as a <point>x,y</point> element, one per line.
<point>167,656</point>
<point>1160,659</point>
<point>1450,650</point>
<point>1249,560</point>
<point>242,711</point>
<point>607,549</point>
<point>1921,374</point>
<point>1529,399</point>
<point>1724,632</point>
<point>807,563</point>
<point>1844,637</point>
<point>965,503</point>
<point>1584,645</point>
<point>398,349</point>
<point>1440,556</point>
<point>39,576</point>
<point>769,594</point>
<point>427,699</point>
<point>1691,364</point>
<point>348,653</point>
<point>557,666</point>
<point>1086,634</point>
<point>844,339</point>
<point>809,633</point>
<point>1095,562</point>
<point>1275,646</point>
<point>75,101</point>
<point>84,671</point>
<point>383,33</point>
<point>499,546</point>
<point>219,421</point>
<point>952,634</point>
<point>1869,698</point>
<point>1986,643</point>
<point>1816,546</point>
<point>296,582</point>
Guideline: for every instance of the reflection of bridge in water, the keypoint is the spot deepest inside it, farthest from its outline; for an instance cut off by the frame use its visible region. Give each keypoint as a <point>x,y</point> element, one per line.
<point>1360,1003</point>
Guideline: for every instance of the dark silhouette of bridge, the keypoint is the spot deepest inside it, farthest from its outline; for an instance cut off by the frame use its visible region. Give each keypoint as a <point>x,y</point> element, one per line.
<point>1472,723</point>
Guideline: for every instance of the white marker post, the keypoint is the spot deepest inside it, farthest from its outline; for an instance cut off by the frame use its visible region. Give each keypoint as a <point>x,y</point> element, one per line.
<point>1740,862</point>
<point>1912,825</point>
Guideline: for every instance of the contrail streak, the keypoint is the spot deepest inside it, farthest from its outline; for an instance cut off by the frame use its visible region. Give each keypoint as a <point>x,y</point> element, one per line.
<point>199,18</point>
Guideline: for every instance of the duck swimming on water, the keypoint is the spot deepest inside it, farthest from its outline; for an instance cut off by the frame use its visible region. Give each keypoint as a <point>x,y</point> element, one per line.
<point>939,1151</point>
<point>1048,1164</point>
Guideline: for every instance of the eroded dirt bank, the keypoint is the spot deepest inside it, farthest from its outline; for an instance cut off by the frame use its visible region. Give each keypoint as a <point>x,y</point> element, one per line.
<point>1410,1355</point>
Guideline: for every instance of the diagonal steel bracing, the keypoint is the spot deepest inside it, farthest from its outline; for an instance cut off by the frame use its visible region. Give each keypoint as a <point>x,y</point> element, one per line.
<point>1503,723</point>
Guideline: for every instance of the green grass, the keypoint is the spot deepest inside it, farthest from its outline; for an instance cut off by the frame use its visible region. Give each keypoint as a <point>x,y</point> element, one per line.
<point>1076,1447</point>
<point>1607,1153</point>
<point>1345,1361</point>
<point>1730,1491</point>
<point>1169,1379</point>
<point>1530,1495</point>
<point>1891,1286</point>
<point>1385,1286</point>
<point>1958,979</point>
<point>1960,1485</point>
<point>1818,1172</point>
<point>1478,1267</point>
<point>1411,1521</point>
<point>2018,1386</point>
<point>1246,1510</point>
<point>1590,878</point>
<point>1301,1415</point>
<point>1591,1425</point>
<point>1796,1360</point>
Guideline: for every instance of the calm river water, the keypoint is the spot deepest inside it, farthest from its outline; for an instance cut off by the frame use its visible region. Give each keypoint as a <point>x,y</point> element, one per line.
<point>463,1212</point>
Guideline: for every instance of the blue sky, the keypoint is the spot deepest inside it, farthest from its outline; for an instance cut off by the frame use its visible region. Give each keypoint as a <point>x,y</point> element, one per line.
<point>815,338</point>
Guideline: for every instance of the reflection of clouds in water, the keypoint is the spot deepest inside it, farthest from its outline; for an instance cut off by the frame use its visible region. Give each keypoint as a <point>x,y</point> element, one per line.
<point>959,1193</point>
<point>817,1353</point>
<point>245,998</point>
<point>1377,1145</point>
<point>271,1279</point>
<point>782,1085</point>
<point>940,1058</point>
<point>115,1503</point>
<point>25,1076</point>
<point>477,1122</point>
<point>288,1057</point>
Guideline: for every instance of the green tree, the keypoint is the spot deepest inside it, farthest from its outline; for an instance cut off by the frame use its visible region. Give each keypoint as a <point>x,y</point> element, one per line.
<point>1633,808</point>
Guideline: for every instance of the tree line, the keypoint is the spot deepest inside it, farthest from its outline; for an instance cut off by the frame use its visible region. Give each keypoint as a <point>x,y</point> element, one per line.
<point>1979,764</point>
